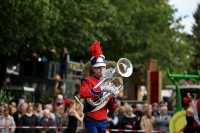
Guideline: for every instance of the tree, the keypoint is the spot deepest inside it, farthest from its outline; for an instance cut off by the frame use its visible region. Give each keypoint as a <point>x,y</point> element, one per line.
<point>23,27</point>
<point>195,40</point>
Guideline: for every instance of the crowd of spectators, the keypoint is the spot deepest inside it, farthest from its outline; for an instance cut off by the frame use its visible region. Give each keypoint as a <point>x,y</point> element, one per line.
<point>125,116</point>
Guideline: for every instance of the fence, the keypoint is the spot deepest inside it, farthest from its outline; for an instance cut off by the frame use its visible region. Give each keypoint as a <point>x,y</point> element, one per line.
<point>60,127</point>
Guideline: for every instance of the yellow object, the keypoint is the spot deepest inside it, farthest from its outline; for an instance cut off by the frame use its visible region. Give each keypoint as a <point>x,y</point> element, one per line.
<point>178,122</point>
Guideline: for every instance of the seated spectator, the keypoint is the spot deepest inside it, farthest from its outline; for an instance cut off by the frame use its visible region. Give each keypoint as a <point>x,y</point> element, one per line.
<point>130,120</point>
<point>162,121</point>
<point>46,120</point>
<point>7,120</point>
<point>28,119</point>
<point>148,121</point>
<point>155,112</point>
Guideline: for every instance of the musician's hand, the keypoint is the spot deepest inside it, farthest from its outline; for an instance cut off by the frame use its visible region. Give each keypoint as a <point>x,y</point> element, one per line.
<point>115,93</point>
<point>107,89</point>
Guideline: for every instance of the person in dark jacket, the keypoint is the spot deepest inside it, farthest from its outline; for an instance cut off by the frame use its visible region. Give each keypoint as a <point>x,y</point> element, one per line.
<point>155,112</point>
<point>28,119</point>
<point>138,112</point>
<point>46,120</point>
<point>117,121</point>
<point>130,120</point>
<point>17,115</point>
<point>64,59</point>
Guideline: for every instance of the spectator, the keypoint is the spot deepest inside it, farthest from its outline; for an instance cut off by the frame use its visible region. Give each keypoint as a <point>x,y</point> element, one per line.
<point>12,110</point>
<point>145,106</point>
<point>28,119</point>
<point>162,121</point>
<point>49,107</point>
<point>111,116</point>
<point>52,55</point>
<point>147,121</point>
<point>130,120</point>
<point>155,112</point>
<point>138,112</point>
<point>118,119</point>
<point>64,59</point>
<point>59,101</point>
<point>134,108</point>
<point>161,104</point>
<point>59,118</point>
<point>189,114</point>
<point>7,120</point>
<point>46,120</point>
<point>73,116</point>
<point>22,100</point>
<point>38,109</point>
<point>13,104</point>
<point>17,115</point>
<point>34,56</point>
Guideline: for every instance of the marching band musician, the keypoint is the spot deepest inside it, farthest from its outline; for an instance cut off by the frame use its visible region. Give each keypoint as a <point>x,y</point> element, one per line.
<point>96,122</point>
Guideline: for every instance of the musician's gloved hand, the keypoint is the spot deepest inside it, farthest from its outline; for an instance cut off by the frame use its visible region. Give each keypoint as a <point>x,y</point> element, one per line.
<point>115,93</point>
<point>107,88</point>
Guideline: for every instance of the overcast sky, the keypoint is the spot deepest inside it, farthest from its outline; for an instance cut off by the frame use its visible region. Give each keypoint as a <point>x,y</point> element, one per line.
<point>185,7</point>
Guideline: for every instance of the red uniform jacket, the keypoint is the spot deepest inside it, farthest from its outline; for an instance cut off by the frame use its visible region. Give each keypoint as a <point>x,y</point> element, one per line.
<point>87,91</point>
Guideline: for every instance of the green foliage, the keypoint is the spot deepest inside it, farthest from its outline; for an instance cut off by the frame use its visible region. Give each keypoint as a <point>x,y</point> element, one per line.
<point>195,40</point>
<point>5,96</point>
<point>45,95</point>
<point>137,29</point>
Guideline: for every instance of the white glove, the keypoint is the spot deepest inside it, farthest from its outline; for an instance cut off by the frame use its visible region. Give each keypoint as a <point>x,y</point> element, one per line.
<point>115,93</point>
<point>107,89</point>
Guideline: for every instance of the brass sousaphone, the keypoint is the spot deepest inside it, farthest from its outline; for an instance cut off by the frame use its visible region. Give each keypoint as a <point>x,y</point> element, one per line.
<point>125,69</point>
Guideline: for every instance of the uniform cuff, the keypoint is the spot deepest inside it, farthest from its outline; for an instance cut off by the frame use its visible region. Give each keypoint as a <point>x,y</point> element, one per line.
<point>96,91</point>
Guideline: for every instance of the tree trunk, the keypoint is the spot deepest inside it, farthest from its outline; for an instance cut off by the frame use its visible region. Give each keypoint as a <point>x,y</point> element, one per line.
<point>3,65</point>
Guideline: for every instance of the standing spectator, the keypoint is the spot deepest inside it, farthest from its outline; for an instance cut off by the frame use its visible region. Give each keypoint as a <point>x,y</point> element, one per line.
<point>13,104</point>
<point>7,120</point>
<point>59,101</point>
<point>17,115</point>
<point>155,112</point>
<point>46,120</point>
<point>34,56</point>
<point>22,100</point>
<point>138,112</point>
<point>189,114</point>
<point>73,116</point>
<point>64,59</point>
<point>130,120</point>
<point>145,106</point>
<point>12,110</point>
<point>52,55</point>
<point>111,117</point>
<point>28,119</point>
<point>51,114</point>
<point>59,118</point>
<point>38,109</point>
<point>134,108</point>
<point>147,121</point>
<point>162,121</point>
